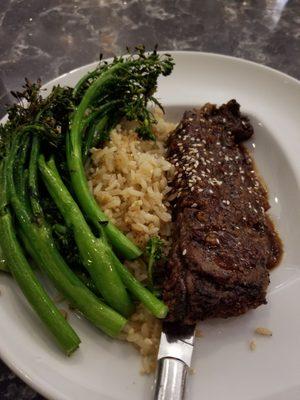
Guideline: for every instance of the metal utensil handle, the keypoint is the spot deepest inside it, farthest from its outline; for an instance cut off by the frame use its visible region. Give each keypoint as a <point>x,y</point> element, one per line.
<point>170,381</point>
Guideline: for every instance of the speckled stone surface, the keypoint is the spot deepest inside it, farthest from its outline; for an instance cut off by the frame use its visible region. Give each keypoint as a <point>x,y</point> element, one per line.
<point>45,38</point>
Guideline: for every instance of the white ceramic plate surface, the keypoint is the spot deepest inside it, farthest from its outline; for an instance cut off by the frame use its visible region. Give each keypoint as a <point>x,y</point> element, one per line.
<point>225,368</point>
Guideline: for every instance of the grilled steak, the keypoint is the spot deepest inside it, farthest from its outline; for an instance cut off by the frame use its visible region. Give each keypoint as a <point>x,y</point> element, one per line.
<point>223,242</point>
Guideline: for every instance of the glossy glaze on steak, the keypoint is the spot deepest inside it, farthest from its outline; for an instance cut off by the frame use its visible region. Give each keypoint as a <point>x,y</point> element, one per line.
<point>223,242</point>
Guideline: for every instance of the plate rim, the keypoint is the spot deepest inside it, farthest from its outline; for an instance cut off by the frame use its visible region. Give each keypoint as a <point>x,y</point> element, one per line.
<point>37,383</point>
<point>189,52</point>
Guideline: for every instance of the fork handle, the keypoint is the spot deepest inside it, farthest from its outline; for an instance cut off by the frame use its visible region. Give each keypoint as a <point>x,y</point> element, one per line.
<point>170,381</point>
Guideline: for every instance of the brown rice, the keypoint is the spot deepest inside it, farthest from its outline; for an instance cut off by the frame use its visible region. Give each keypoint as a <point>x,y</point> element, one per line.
<point>263,331</point>
<point>252,345</point>
<point>129,179</point>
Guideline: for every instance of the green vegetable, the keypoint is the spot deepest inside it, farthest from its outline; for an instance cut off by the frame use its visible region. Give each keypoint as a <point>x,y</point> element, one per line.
<point>73,243</point>
<point>149,300</point>
<point>3,262</point>
<point>33,291</point>
<point>42,247</point>
<point>129,82</point>
<point>27,281</point>
<point>154,253</point>
<point>65,280</point>
<point>81,298</point>
<point>98,125</point>
<point>94,251</point>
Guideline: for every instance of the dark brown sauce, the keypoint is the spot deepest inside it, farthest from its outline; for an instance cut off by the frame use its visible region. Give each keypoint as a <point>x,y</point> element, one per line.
<point>278,246</point>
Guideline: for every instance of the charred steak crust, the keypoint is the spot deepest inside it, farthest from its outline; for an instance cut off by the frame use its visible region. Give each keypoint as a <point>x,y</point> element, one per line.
<point>223,241</point>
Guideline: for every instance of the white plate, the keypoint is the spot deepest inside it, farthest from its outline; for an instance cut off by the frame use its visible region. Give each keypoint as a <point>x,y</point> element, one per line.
<point>225,367</point>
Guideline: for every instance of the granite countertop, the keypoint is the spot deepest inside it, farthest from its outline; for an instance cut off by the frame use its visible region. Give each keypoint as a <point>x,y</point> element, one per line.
<point>47,38</point>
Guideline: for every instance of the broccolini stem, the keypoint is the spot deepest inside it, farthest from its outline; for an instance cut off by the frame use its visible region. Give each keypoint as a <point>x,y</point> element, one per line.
<point>42,249</point>
<point>33,291</point>
<point>71,213</point>
<point>33,178</point>
<point>92,135</point>
<point>76,168</point>
<point>44,253</point>
<point>95,252</point>
<point>3,263</point>
<point>21,174</point>
<point>26,279</point>
<point>152,303</point>
<point>98,132</point>
<point>82,81</point>
<point>19,208</point>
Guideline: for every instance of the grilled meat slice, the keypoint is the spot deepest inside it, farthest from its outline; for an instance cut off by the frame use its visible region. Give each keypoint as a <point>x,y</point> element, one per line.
<point>223,242</point>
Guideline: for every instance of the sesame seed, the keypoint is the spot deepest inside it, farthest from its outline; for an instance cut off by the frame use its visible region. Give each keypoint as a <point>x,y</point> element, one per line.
<point>184,252</point>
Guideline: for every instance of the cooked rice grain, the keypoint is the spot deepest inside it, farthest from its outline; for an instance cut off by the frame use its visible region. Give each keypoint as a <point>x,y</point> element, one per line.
<point>263,331</point>
<point>129,178</point>
<point>252,345</point>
